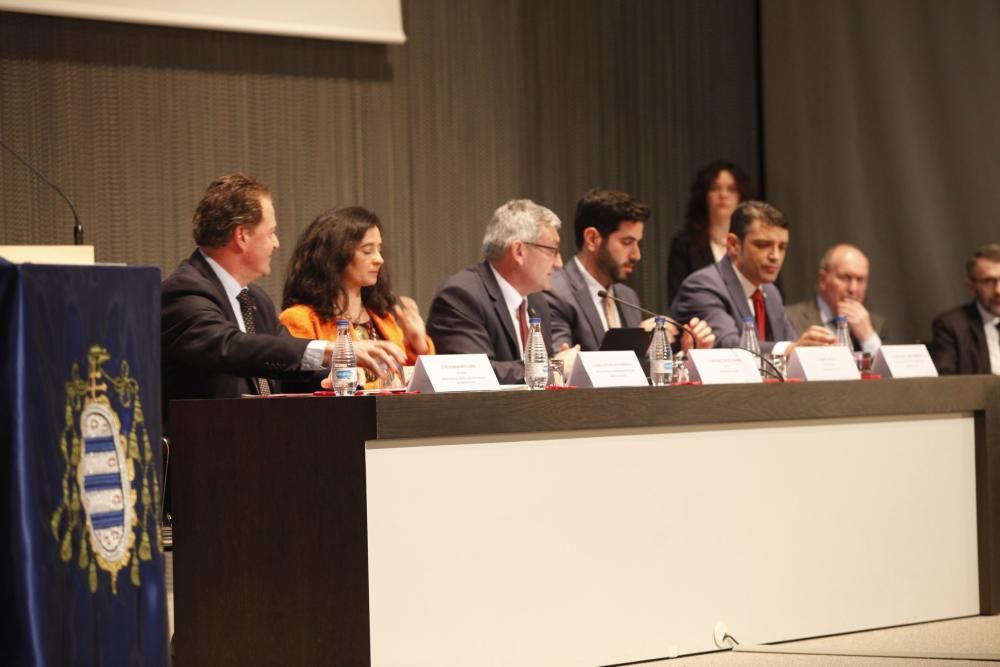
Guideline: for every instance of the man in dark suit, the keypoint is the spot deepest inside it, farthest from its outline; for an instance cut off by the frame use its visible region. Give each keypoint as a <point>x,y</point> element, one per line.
<point>220,336</point>
<point>485,308</point>
<point>609,227</point>
<point>840,290</point>
<point>742,285</point>
<point>966,340</point>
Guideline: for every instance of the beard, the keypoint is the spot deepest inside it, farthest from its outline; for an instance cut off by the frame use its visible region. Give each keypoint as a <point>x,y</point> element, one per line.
<point>991,306</point>
<point>609,266</point>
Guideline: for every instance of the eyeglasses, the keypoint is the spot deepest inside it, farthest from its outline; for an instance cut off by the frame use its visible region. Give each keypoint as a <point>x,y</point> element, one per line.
<point>551,251</point>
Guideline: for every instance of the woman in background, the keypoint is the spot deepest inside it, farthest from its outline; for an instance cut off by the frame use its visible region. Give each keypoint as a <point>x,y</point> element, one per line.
<point>715,192</point>
<point>337,271</point>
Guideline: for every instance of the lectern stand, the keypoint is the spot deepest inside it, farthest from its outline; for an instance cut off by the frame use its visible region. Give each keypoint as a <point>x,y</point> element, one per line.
<point>82,564</point>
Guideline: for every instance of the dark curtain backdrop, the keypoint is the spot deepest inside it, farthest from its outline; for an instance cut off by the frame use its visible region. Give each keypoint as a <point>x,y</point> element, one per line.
<point>882,128</point>
<point>485,102</point>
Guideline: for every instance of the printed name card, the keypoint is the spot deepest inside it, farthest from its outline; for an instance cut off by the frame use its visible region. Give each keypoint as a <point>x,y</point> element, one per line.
<point>723,366</point>
<point>618,368</point>
<point>832,362</point>
<point>904,361</point>
<point>440,373</point>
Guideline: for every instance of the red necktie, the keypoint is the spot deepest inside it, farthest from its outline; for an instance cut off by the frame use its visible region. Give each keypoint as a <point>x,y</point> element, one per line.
<point>522,316</point>
<point>759,314</point>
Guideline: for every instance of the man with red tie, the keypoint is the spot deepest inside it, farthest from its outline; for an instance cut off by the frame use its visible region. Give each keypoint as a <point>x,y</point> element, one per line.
<point>741,284</point>
<point>484,309</point>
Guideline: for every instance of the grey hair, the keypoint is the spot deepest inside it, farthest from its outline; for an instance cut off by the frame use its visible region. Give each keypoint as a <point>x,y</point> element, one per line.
<point>517,220</point>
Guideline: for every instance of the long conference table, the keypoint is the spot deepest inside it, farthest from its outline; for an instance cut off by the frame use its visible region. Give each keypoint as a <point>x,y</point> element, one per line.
<point>579,527</point>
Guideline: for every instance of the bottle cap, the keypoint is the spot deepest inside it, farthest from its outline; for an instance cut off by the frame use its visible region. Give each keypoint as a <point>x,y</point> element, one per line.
<point>840,319</point>
<point>748,320</point>
<point>660,319</point>
<point>534,320</point>
<point>343,323</point>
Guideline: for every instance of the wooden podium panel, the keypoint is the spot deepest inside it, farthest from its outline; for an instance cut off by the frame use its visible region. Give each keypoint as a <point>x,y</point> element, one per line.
<point>272,540</point>
<point>270,546</point>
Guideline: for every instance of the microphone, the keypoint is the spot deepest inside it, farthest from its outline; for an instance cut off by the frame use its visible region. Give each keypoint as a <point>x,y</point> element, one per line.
<point>771,369</point>
<point>682,327</point>
<point>77,227</point>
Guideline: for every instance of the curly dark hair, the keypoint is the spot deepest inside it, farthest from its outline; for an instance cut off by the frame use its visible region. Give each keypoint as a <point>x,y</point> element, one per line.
<point>697,207</point>
<point>322,253</point>
<point>228,202</point>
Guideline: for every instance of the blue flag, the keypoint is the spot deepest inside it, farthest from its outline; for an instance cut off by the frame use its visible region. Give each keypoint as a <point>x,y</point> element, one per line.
<point>82,563</point>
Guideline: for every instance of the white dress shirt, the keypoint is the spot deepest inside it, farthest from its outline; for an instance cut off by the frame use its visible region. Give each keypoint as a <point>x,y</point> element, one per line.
<point>990,322</point>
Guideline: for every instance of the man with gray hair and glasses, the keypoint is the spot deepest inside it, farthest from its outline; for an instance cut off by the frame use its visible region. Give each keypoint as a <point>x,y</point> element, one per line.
<point>966,339</point>
<point>485,308</point>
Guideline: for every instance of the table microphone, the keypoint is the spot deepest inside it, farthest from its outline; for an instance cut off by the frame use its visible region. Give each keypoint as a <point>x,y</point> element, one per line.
<point>682,327</point>
<point>771,369</point>
<point>77,227</point>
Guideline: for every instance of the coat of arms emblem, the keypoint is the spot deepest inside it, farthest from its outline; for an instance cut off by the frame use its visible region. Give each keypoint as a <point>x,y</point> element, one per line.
<point>110,490</point>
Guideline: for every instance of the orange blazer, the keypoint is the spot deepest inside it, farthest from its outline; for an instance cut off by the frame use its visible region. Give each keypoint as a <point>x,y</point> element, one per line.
<point>303,322</point>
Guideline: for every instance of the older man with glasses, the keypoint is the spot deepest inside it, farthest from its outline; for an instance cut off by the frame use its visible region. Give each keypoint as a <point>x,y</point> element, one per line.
<point>485,308</point>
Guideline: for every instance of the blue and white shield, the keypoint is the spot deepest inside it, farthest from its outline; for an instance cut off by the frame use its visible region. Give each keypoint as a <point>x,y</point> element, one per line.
<point>105,481</point>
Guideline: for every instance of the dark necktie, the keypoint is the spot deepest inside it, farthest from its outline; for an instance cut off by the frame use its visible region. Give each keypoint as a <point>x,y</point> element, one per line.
<point>522,317</point>
<point>759,314</point>
<point>247,308</point>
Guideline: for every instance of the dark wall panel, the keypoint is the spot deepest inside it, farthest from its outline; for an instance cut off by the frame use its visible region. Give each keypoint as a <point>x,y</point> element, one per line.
<point>882,128</point>
<point>486,101</point>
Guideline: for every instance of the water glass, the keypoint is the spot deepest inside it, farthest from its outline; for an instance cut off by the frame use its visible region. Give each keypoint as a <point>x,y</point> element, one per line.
<point>557,374</point>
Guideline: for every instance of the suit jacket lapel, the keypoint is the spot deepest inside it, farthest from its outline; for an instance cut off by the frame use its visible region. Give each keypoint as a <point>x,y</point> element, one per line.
<point>539,307</point>
<point>586,302</point>
<point>814,315</point>
<point>205,269</point>
<point>736,294</point>
<point>246,385</point>
<point>775,315</point>
<point>978,336</point>
<point>630,316</point>
<point>500,306</point>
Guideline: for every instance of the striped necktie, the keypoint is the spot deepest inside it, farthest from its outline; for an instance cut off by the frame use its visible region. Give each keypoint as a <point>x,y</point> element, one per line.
<point>247,308</point>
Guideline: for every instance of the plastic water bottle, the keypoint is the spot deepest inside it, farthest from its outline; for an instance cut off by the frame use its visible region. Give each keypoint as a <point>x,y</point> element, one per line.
<point>844,332</point>
<point>536,357</point>
<point>661,357</point>
<point>749,342</point>
<point>344,373</point>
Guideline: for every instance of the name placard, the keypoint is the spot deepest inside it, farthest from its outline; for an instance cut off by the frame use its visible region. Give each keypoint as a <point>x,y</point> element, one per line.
<point>831,362</point>
<point>904,361</point>
<point>441,373</point>
<point>723,366</point>
<point>618,368</point>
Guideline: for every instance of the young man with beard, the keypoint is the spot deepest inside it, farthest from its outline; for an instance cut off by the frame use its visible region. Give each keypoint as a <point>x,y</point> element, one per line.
<point>609,227</point>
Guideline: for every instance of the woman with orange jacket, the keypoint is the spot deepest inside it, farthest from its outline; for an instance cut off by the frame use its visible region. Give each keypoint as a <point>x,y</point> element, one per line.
<point>338,272</point>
